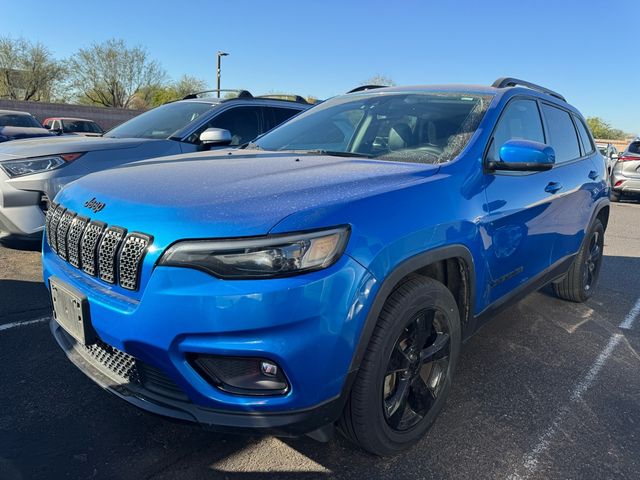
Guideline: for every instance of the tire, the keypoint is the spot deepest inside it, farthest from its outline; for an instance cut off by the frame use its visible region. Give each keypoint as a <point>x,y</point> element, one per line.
<point>581,280</point>
<point>367,419</point>
<point>615,196</point>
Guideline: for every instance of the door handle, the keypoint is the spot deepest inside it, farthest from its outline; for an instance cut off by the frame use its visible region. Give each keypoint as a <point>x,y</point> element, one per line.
<point>553,187</point>
<point>593,175</point>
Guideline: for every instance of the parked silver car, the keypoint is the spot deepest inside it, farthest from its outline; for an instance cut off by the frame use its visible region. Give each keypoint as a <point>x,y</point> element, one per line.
<point>625,178</point>
<point>610,153</point>
<point>32,171</point>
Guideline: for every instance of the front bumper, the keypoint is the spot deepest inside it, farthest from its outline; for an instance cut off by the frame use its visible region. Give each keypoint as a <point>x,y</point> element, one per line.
<point>149,389</point>
<point>21,212</point>
<point>309,325</point>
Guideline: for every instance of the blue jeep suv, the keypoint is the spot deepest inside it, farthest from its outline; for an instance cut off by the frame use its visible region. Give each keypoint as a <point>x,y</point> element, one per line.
<point>327,273</point>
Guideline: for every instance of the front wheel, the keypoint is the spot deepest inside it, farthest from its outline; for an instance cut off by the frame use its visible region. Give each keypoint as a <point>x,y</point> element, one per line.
<point>405,375</point>
<point>581,279</point>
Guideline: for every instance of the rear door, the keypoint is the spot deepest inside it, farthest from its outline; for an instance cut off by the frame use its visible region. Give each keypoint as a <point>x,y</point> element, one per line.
<point>578,177</point>
<point>519,216</point>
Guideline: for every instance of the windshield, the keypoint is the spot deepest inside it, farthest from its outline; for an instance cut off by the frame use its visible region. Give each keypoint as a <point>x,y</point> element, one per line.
<point>425,127</point>
<point>18,120</point>
<point>82,126</point>
<point>161,122</point>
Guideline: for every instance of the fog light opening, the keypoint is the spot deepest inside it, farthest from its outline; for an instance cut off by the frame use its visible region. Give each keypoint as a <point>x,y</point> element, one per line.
<point>241,375</point>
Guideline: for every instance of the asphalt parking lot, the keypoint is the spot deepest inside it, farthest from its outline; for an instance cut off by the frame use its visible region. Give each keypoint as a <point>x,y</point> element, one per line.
<point>548,389</point>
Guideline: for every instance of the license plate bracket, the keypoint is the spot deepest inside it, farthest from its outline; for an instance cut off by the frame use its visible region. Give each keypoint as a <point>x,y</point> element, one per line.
<point>71,311</point>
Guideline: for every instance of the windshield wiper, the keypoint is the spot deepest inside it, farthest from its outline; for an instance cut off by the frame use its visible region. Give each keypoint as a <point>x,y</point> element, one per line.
<point>333,153</point>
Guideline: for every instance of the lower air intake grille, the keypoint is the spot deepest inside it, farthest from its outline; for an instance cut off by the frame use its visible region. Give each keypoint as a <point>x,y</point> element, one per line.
<point>130,369</point>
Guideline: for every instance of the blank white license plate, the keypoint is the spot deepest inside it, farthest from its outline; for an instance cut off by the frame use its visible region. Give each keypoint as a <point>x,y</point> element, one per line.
<point>71,311</point>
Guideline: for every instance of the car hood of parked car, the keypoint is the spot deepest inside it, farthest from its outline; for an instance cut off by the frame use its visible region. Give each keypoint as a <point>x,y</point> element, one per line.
<point>54,145</point>
<point>17,133</point>
<point>230,193</point>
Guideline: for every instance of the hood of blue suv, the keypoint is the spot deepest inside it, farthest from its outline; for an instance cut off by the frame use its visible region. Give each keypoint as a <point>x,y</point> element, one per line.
<point>37,147</point>
<point>231,193</point>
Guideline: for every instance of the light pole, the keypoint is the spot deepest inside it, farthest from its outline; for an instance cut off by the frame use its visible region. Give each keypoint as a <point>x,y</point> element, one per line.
<point>220,54</point>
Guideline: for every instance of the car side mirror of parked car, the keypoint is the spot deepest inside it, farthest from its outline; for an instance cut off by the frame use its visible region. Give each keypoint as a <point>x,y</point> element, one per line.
<point>614,156</point>
<point>215,137</point>
<point>524,156</point>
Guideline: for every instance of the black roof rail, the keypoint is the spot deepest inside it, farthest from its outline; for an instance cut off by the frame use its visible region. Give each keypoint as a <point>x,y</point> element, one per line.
<point>504,82</point>
<point>241,93</point>
<point>284,96</point>
<point>362,88</point>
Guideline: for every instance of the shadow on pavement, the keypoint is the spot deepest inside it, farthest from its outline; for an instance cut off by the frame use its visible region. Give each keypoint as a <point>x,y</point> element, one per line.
<point>22,298</point>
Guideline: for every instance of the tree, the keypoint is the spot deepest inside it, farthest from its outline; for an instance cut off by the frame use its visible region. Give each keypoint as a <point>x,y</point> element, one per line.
<point>27,70</point>
<point>111,74</point>
<point>379,79</point>
<point>156,95</point>
<point>602,129</point>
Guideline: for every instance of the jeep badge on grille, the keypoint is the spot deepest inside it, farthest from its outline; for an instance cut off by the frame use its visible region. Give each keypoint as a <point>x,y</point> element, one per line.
<point>94,205</point>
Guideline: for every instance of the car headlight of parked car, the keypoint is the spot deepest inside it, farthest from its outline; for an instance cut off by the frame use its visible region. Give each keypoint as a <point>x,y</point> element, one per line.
<point>264,257</point>
<point>29,166</point>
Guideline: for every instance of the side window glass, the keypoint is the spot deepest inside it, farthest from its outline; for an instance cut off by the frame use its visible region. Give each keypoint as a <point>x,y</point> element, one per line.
<point>520,120</point>
<point>242,122</point>
<point>278,116</point>
<point>587,146</point>
<point>562,134</point>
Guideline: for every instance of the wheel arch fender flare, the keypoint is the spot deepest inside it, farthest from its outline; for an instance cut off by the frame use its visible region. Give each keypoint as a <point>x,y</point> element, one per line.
<point>400,271</point>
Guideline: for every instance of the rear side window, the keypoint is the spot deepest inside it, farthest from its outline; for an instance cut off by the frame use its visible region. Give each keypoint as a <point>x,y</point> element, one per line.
<point>275,116</point>
<point>562,134</point>
<point>634,147</point>
<point>585,139</point>
<point>520,120</point>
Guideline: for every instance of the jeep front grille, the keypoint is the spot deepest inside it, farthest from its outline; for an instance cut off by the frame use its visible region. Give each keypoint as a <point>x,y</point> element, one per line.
<point>106,252</point>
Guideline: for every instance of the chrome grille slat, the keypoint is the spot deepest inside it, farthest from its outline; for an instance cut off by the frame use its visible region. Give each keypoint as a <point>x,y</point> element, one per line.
<point>89,246</point>
<point>63,230</point>
<point>102,251</point>
<point>47,222</point>
<point>73,240</point>
<point>108,252</point>
<point>53,228</point>
<point>133,250</point>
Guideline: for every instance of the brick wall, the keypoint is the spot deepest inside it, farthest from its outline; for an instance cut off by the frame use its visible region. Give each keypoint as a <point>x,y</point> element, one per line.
<point>621,145</point>
<point>107,118</point>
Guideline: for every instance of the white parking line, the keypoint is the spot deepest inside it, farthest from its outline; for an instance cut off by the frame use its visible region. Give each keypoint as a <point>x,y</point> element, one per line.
<point>532,459</point>
<point>7,326</point>
<point>627,323</point>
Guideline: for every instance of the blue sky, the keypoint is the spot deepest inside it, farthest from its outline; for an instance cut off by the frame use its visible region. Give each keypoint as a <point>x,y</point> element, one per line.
<point>586,50</point>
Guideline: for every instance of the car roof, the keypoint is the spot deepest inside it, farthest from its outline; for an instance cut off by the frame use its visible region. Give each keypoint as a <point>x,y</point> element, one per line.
<point>217,101</point>
<point>70,118</point>
<point>14,112</point>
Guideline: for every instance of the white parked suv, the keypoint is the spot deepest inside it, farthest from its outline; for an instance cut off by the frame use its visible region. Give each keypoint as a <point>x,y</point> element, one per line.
<point>34,170</point>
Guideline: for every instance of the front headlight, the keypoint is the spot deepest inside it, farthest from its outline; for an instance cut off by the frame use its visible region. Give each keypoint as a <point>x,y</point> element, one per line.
<point>273,256</point>
<point>29,166</point>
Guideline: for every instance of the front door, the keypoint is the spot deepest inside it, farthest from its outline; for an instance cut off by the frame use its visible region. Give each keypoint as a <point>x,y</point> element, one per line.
<point>519,211</point>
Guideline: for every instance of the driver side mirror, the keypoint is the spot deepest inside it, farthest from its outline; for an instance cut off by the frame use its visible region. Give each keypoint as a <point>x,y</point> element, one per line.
<point>215,137</point>
<point>524,156</point>
<point>614,156</point>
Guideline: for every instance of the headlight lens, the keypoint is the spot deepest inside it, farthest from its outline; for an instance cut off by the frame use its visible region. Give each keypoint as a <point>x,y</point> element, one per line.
<point>28,166</point>
<point>265,257</point>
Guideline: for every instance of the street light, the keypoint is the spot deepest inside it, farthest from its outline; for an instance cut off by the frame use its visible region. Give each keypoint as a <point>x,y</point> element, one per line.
<point>220,54</point>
